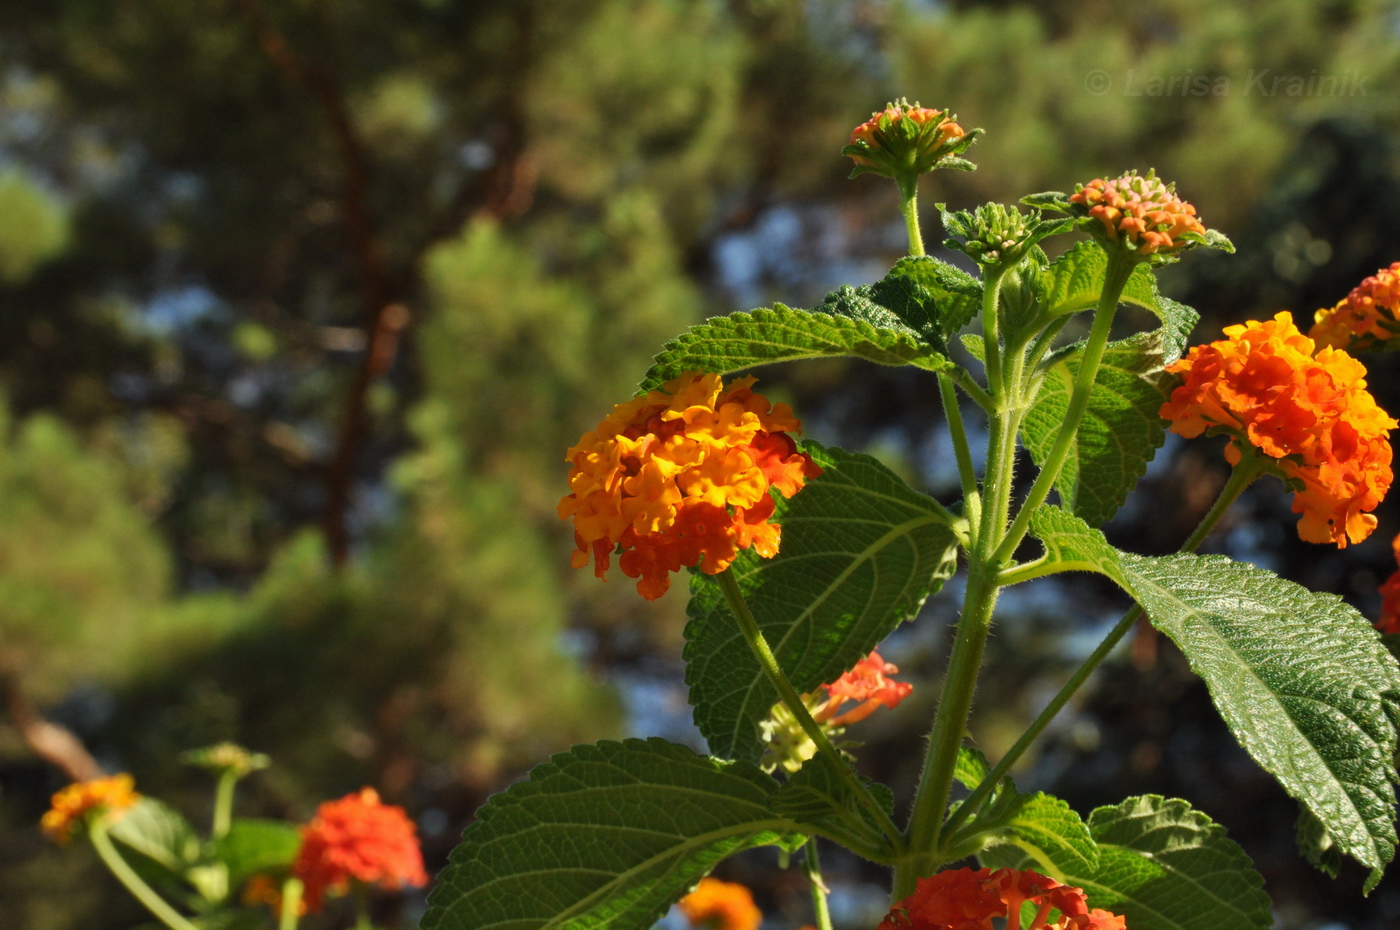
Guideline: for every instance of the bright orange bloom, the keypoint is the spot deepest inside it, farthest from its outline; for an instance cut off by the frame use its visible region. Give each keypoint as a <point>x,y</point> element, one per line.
<point>1366,317</point>
<point>969,899</point>
<point>1390,597</point>
<point>1314,416</point>
<point>681,477</point>
<point>361,838</point>
<point>873,131</point>
<point>717,905</point>
<point>1141,211</point>
<point>74,804</point>
<point>865,683</point>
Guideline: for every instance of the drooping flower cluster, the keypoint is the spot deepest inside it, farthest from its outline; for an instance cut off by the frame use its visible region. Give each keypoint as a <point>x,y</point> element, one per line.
<point>1365,318</point>
<point>970,899</point>
<point>789,746</point>
<point>1390,596</point>
<point>74,804</point>
<point>359,838</point>
<point>1313,415</point>
<point>719,905</point>
<point>1140,212</point>
<point>907,139</point>
<point>681,477</point>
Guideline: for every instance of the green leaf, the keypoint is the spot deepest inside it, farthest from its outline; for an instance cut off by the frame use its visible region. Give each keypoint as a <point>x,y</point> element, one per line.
<point>1119,432</point>
<point>160,833</point>
<point>861,550</point>
<point>252,846</point>
<point>853,326</point>
<point>1316,844</point>
<point>933,297</point>
<point>971,767</point>
<point>603,836</point>
<point>818,799</point>
<point>1163,866</point>
<point>1043,827</point>
<point>1301,678</point>
<point>1075,280</point>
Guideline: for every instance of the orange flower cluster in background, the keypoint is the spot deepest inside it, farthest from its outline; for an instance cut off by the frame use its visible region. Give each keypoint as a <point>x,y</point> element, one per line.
<point>969,899</point>
<point>73,804</point>
<point>1313,415</point>
<point>1141,211</point>
<point>681,477</point>
<point>360,838</point>
<point>872,131</point>
<point>867,683</point>
<point>1390,597</point>
<point>1366,317</point>
<point>718,905</point>
<point>263,890</point>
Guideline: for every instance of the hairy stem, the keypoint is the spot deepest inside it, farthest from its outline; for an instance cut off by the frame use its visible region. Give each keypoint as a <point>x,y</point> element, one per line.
<point>813,867</point>
<point>909,205</point>
<point>967,474</point>
<point>97,833</point>
<point>223,803</point>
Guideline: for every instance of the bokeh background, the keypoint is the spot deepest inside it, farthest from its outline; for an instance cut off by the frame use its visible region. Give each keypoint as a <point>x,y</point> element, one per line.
<point>301,303</point>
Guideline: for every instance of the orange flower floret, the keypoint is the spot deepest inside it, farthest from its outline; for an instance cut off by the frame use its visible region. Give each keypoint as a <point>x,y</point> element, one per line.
<point>1390,597</point>
<point>1139,211</point>
<point>867,683</point>
<point>78,801</point>
<point>1366,317</point>
<point>969,899</point>
<point>262,890</point>
<point>359,838</point>
<point>1313,415</point>
<point>681,477</point>
<point>871,132</point>
<point>718,905</point>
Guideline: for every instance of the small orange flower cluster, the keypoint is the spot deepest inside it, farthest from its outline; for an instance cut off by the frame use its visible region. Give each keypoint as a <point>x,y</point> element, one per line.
<point>660,474</point>
<point>1141,211</point>
<point>262,890</point>
<point>872,131</point>
<point>1366,317</point>
<point>865,683</point>
<point>718,905</point>
<point>1390,597</point>
<point>968,899</point>
<point>74,804</point>
<point>1264,387</point>
<point>360,838</point>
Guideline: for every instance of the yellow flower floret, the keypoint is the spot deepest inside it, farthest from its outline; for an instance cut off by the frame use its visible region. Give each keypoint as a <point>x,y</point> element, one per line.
<point>1366,317</point>
<point>74,804</point>
<point>681,477</point>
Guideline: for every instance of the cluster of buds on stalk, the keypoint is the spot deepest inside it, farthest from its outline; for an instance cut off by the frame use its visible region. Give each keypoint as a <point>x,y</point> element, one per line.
<point>998,235</point>
<point>906,140</point>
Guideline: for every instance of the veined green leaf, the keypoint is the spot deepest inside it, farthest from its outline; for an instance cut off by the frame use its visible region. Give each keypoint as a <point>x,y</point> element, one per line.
<point>971,767</point>
<point>861,550</point>
<point>933,297</point>
<point>818,799</point>
<point>1163,866</point>
<point>160,833</point>
<point>603,836</point>
<point>252,846</point>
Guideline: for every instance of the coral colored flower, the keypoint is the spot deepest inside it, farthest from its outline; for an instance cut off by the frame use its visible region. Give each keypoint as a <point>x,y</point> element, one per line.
<point>681,477</point>
<point>74,804</point>
<point>1312,415</point>
<point>360,838</point>
<point>1140,212</point>
<point>867,683</point>
<point>1365,318</point>
<point>717,905</point>
<point>1390,597</point>
<point>905,139</point>
<point>969,899</point>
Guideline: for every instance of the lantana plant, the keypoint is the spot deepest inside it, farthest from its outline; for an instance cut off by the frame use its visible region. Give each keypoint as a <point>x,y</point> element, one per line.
<point>803,559</point>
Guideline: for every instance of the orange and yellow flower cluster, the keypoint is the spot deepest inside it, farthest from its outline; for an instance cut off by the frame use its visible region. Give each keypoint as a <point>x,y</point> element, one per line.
<point>1313,415</point>
<point>867,683</point>
<point>359,838</point>
<point>1365,318</point>
<point>681,477</point>
<point>78,801</point>
<point>1140,212</point>
<point>718,905</point>
<point>874,131</point>
<point>970,899</point>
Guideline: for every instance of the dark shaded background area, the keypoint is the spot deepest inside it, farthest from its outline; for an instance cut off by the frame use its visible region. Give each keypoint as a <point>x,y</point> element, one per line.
<point>301,303</point>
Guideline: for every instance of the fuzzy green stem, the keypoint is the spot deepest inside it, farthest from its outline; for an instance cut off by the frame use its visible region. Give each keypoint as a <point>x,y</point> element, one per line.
<point>1120,267</point>
<point>291,904</point>
<point>991,332</point>
<point>813,867</point>
<point>967,474</point>
<point>102,842</point>
<point>362,921</point>
<point>223,803</point>
<point>963,379</point>
<point>769,663</point>
<point>1243,475</point>
<point>909,206</point>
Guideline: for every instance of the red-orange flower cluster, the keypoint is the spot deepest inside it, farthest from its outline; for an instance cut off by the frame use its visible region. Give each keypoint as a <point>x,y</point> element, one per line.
<point>72,805</point>
<point>717,905</point>
<point>969,899</point>
<point>873,131</point>
<point>1140,211</point>
<point>360,838</point>
<point>681,477</point>
<point>1366,317</point>
<point>1313,415</point>
<point>867,683</point>
<point>1390,597</point>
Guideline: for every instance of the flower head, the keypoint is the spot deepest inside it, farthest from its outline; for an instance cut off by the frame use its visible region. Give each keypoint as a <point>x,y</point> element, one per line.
<point>718,905</point>
<point>74,804</point>
<point>1390,597</point>
<point>969,899</point>
<point>1140,213</point>
<point>1365,318</point>
<point>360,838</point>
<point>681,477</point>
<point>867,683</point>
<point>908,140</point>
<point>1313,415</point>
